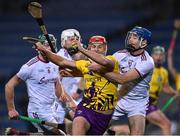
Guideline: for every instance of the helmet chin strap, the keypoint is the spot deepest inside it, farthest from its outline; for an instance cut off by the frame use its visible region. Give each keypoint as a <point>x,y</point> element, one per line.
<point>71,52</point>
<point>130,48</point>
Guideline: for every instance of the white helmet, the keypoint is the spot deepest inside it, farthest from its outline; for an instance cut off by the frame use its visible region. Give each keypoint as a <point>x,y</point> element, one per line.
<point>69,33</point>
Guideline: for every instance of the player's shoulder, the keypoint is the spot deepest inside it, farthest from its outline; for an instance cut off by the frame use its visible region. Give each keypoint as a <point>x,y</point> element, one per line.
<point>64,53</point>
<point>145,61</point>
<point>120,54</point>
<point>146,57</point>
<point>164,70</point>
<point>54,66</point>
<point>111,57</point>
<point>121,51</point>
<point>32,61</point>
<point>61,50</point>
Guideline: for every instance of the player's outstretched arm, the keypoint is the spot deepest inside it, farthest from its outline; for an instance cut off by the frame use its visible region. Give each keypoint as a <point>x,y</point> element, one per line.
<point>9,94</point>
<point>98,58</point>
<point>125,88</point>
<point>59,89</point>
<point>70,73</point>
<point>64,97</point>
<point>122,78</point>
<point>58,60</point>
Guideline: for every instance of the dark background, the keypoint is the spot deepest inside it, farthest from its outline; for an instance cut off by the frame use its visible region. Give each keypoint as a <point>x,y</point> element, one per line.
<point>110,18</point>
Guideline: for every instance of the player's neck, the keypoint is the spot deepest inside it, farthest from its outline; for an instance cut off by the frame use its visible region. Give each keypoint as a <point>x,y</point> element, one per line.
<point>41,58</point>
<point>138,52</point>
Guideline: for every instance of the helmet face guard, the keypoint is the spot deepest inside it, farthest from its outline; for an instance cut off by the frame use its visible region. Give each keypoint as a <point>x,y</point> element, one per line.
<point>44,41</point>
<point>144,36</point>
<point>128,46</point>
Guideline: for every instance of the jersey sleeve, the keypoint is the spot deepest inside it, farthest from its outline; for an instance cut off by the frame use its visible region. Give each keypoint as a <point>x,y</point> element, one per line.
<point>111,58</point>
<point>24,72</point>
<point>144,67</point>
<point>119,54</point>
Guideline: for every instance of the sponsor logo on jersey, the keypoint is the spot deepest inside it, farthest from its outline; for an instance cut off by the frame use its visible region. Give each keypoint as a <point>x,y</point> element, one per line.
<point>45,81</point>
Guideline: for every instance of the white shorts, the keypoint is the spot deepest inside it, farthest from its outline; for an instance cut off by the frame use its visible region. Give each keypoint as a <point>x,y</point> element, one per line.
<point>131,107</point>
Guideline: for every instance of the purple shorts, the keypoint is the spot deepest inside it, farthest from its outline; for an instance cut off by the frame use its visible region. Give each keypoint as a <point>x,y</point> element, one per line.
<point>98,122</point>
<point>151,106</point>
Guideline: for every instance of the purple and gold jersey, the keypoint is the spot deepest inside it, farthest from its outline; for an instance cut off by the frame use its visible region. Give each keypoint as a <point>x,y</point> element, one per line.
<point>159,79</point>
<point>177,80</point>
<point>100,94</point>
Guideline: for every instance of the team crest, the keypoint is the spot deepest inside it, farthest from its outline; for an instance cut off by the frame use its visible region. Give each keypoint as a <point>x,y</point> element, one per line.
<point>48,70</point>
<point>124,59</point>
<point>159,79</point>
<point>130,63</point>
<point>79,111</point>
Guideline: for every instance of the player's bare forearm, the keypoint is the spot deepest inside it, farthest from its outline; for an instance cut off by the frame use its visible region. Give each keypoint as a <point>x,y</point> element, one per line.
<point>9,94</point>
<point>98,58</point>
<point>71,73</point>
<point>125,88</point>
<point>114,77</point>
<point>71,103</point>
<point>122,78</point>
<point>68,96</point>
<point>59,89</point>
<point>58,60</point>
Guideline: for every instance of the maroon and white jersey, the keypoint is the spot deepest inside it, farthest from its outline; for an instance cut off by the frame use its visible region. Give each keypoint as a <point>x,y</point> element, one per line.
<point>143,64</point>
<point>70,84</point>
<point>63,53</point>
<point>40,78</point>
